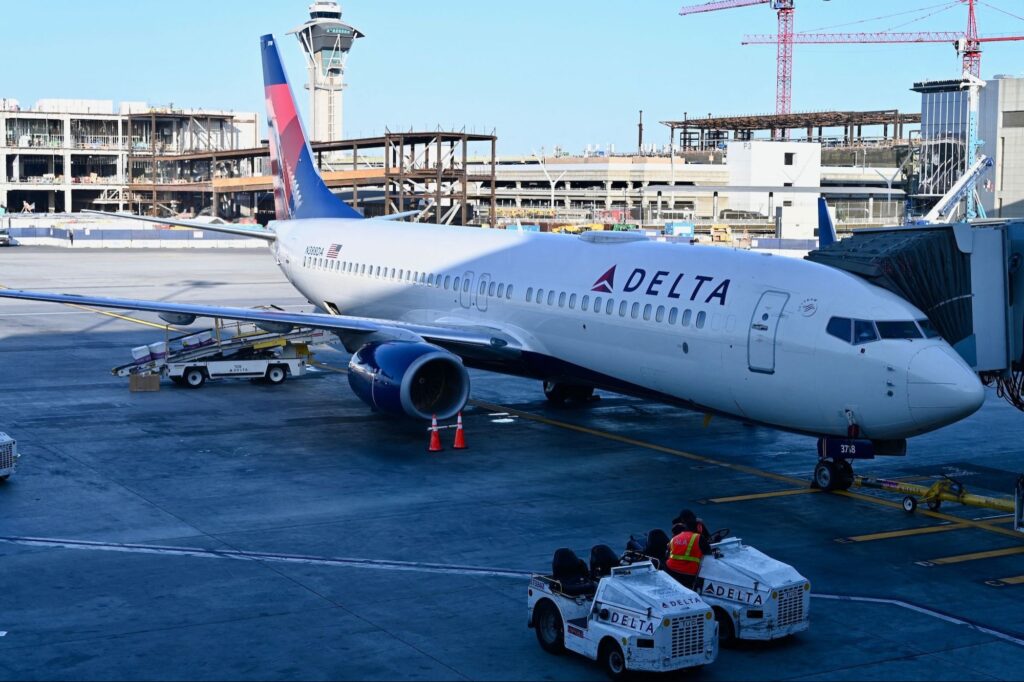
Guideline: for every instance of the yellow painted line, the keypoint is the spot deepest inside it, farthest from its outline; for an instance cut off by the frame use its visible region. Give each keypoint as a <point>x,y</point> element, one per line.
<point>909,532</point>
<point>975,556</point>
<point>955,520</point>
<point>126,318</point>
<point>1018,580</point>
<point>762,496</point>
<point>980,525</point>
<point>636,443</point>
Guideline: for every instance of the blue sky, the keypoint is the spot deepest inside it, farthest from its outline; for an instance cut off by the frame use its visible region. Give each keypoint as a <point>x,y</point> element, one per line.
<point>541,73</point>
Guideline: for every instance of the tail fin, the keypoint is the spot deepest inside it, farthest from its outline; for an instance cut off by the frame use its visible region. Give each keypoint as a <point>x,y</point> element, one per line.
<point>299,191</point>
<point>826,228</point>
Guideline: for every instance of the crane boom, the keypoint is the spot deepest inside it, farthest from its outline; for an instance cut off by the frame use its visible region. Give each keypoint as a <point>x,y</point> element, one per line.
<point>720,4</point>
<point>876,38</point>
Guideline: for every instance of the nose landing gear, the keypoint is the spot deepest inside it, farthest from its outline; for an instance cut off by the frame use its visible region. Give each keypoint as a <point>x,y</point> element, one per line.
<point>831,474</point>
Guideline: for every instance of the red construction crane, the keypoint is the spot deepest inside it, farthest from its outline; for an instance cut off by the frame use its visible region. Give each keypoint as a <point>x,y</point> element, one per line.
<point>967,44</point>
<point>784,41</point>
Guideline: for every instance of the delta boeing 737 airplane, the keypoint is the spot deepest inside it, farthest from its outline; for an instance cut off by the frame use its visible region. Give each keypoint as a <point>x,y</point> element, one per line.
<point>782,342</point>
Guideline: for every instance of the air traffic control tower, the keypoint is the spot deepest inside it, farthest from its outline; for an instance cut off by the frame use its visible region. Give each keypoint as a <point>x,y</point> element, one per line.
<point>326,40</point>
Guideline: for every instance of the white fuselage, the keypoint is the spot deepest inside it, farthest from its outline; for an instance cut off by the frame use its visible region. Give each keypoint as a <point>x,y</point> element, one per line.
<point>726,331</point>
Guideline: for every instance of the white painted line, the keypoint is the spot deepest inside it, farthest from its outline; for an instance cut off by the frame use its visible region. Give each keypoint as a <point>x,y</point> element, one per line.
<point>417,567</point>
<point>374,564</point>
<point>3,633</point>
<point>925,611</point>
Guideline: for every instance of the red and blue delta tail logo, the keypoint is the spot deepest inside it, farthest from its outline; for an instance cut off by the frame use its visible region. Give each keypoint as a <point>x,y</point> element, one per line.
<point>606,283</point>
<point>299,191</point>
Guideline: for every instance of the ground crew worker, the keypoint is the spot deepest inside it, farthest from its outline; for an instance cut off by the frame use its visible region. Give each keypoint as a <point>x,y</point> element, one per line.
<point>688,519</point>
<point>684,556</point>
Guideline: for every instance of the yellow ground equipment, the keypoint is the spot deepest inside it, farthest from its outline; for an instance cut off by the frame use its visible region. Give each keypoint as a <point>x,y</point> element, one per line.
<point>947,489</point>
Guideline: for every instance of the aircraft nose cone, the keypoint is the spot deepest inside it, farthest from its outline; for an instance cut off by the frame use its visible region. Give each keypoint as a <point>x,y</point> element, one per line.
<point>941,388</point>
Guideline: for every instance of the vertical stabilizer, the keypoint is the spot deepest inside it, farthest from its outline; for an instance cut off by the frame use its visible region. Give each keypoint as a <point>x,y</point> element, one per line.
<point>826,228</point>
<point>299,191</point>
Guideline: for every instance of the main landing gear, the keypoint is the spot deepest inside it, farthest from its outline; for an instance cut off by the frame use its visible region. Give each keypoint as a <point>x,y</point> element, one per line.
<point>560,394</point>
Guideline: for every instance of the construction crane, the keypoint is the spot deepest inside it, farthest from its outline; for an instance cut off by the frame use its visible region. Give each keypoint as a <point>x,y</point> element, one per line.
<point>784,42</point>
<point>968,44</point>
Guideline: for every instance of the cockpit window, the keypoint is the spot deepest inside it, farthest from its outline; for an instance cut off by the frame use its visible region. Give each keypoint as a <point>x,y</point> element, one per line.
<point>840,327</point>
<point>930,332</point>
<point>899,330</point>
<point>864,332</point>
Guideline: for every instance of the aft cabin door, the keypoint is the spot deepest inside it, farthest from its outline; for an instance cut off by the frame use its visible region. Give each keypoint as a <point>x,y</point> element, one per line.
<point>764,328</point>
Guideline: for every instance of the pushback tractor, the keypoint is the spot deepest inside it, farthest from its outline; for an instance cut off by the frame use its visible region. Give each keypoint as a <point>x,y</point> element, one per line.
<point>628,618</point>
<point>8,456</point>
<point>753,596</point>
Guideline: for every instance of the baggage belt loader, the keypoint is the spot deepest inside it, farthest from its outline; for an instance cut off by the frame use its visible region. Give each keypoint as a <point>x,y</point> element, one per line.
<point>636,618</point>
<point>237,350</point>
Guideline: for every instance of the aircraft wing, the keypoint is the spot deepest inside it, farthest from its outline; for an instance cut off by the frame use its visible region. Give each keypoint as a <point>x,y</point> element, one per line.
<point>255,233</point>
<point>361,329</point>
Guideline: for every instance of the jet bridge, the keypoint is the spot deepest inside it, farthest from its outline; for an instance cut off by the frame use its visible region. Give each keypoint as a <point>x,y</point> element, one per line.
<point>968,279</point>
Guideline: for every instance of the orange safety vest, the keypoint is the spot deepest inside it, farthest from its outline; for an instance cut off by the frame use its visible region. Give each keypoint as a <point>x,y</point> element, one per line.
<point>685,554</point>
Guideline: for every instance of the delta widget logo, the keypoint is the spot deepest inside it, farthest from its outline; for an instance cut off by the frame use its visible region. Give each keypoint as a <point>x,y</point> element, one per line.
<point>606,283</point>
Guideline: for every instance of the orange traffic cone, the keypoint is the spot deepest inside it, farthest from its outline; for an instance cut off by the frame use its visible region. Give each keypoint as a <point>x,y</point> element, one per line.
<point>435,438</point>
<point>460,436</point>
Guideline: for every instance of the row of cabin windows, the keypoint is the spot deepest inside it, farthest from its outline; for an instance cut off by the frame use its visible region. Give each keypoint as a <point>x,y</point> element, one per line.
<point>606,306</point>
<point>447,282</point>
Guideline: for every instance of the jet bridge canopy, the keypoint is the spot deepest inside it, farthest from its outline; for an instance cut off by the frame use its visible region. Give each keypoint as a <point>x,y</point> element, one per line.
<point>967,278</point>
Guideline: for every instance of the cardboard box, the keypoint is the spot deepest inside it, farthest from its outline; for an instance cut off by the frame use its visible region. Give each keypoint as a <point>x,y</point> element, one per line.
<point>144,383</point>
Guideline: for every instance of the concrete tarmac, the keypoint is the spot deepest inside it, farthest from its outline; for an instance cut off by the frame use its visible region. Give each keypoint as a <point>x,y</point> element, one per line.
<point>249,532</point>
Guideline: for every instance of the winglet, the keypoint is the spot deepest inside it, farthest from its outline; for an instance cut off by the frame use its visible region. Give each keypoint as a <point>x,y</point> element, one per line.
<point>826,228</point>
<point>299,191</point>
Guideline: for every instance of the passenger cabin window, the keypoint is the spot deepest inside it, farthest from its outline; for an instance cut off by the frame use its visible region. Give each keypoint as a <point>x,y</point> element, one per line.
<point>551,298</point>
<point>702,319</point>
<point>585,304</point>
<point>609,307</point>
<point>841,328</point>
<point>687,316</point>
<point>447,282</point>
<point>898,330</point>
<point>529,295</point>
<point>561,300</point>
<point>508,293</point>
<point>572,302</point>
<point>492,289</point>
<point>501,291</point>
<point>673,315</point>
<point>622,309</point>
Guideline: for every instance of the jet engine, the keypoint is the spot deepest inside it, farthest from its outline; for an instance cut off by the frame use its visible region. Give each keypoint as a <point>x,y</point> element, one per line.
<point>415,379</point>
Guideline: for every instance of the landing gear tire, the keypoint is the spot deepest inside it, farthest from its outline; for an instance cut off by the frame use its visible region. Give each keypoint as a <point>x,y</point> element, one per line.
<point>547,623</point>
<point>560,394</point>
<point>612,660</point>
<point>909,504</point>
<point>830,475</point>
<point>276,375</point>
<point>194,377</point>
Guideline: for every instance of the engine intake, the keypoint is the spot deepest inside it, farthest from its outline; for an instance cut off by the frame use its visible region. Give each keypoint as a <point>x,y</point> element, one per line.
<point>415,379</point>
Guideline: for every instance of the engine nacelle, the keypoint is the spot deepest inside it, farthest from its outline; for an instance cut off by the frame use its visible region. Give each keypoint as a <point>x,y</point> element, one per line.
<point>410,378</point>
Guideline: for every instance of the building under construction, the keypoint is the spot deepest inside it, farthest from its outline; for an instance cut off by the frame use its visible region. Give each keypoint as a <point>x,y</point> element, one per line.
<point>830,128</point>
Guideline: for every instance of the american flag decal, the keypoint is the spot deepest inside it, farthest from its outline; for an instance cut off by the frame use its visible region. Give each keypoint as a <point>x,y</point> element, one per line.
<point>332,252</point>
